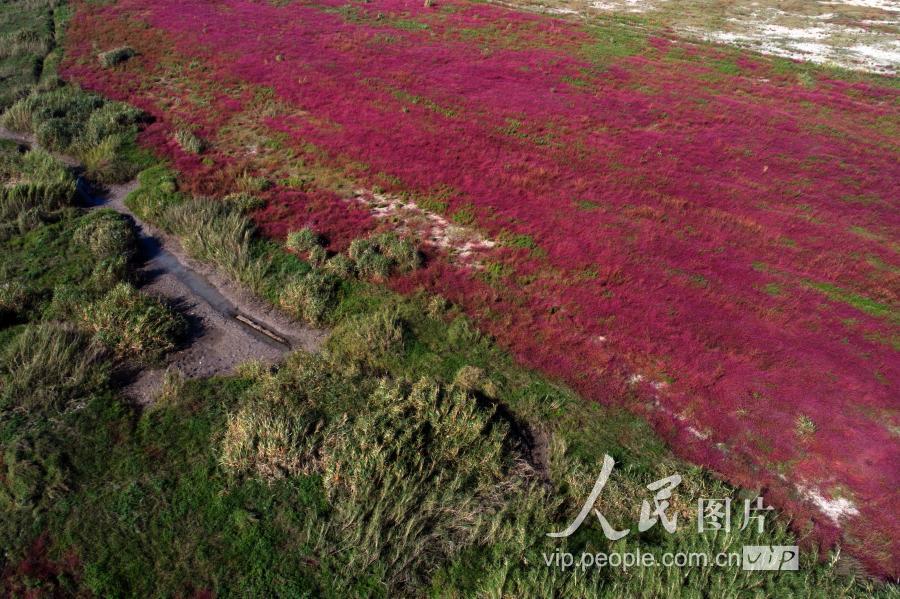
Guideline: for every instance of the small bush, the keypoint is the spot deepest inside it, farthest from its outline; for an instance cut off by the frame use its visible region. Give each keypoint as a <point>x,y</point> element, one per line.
<point>108,235</point>
<point>312,297</point>
<point>189,142</point>
<point>111,58</point>
<point>302,241</point>
<point>133,324</point>
<point>340,266</point>
<point>380,255</point>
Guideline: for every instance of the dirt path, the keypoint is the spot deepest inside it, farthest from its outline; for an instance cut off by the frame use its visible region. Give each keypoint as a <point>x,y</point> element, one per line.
<point>228,326</point>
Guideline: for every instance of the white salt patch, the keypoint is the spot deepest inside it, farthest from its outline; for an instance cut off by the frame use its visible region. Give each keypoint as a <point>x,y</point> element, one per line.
<point>888,5</point>
<point>461,243</point>
<point>562,11</point>
<point>834,509</point>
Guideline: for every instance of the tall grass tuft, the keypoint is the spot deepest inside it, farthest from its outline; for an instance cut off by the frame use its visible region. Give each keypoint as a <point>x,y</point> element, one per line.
<point>380,255</point>
<point>311,297</point>
<point>217,233</point>
<point>375,340</point>
<point>132,324</point>
<point>111,58</point>
<point>48,367</point>
<point>189,142</point>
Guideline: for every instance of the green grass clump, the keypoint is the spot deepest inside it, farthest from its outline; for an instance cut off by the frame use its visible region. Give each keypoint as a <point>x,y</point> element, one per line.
<point>245,203</point>
<point>111,58</point>
<point>268,437</point>
<point>133,325</point>
<point>42,183</point>
<point>311,297</point>
<point>302,240</point>
<point>107,234</point>
<point>189,142</point>
<point>340,265</point>
<point>217,233</point>
<point>100,133</point>
<point>376,340</point>
<point>157,191</point>
<point>380,255</point>
<point>47,367</point>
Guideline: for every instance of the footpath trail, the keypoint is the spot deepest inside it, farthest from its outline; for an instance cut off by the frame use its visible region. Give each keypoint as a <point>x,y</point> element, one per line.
<point>228,326</point>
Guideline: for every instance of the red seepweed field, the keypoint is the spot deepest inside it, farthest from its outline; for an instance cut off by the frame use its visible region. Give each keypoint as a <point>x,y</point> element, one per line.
<point>702,236</point>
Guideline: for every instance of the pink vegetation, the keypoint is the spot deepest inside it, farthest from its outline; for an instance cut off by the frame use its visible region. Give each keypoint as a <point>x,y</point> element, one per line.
<point>716,250</point>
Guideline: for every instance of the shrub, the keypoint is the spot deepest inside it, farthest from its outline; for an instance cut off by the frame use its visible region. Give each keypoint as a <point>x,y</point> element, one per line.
<point>133,324</point>
<point>111,58</point>
<point>189,142</point>
<point>339,265</point>
<point>302,241</point>
<point>107,234</point>
<point>379,255</point>
<point>312,297</point>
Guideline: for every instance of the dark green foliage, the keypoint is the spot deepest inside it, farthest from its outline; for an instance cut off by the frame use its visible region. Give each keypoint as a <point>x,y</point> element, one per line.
<point>380,255</point>
<point>111,58</point>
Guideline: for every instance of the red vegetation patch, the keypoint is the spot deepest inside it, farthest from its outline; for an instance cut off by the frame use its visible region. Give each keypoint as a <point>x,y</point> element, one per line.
<point>718,250</point>
<point>37,575</point>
